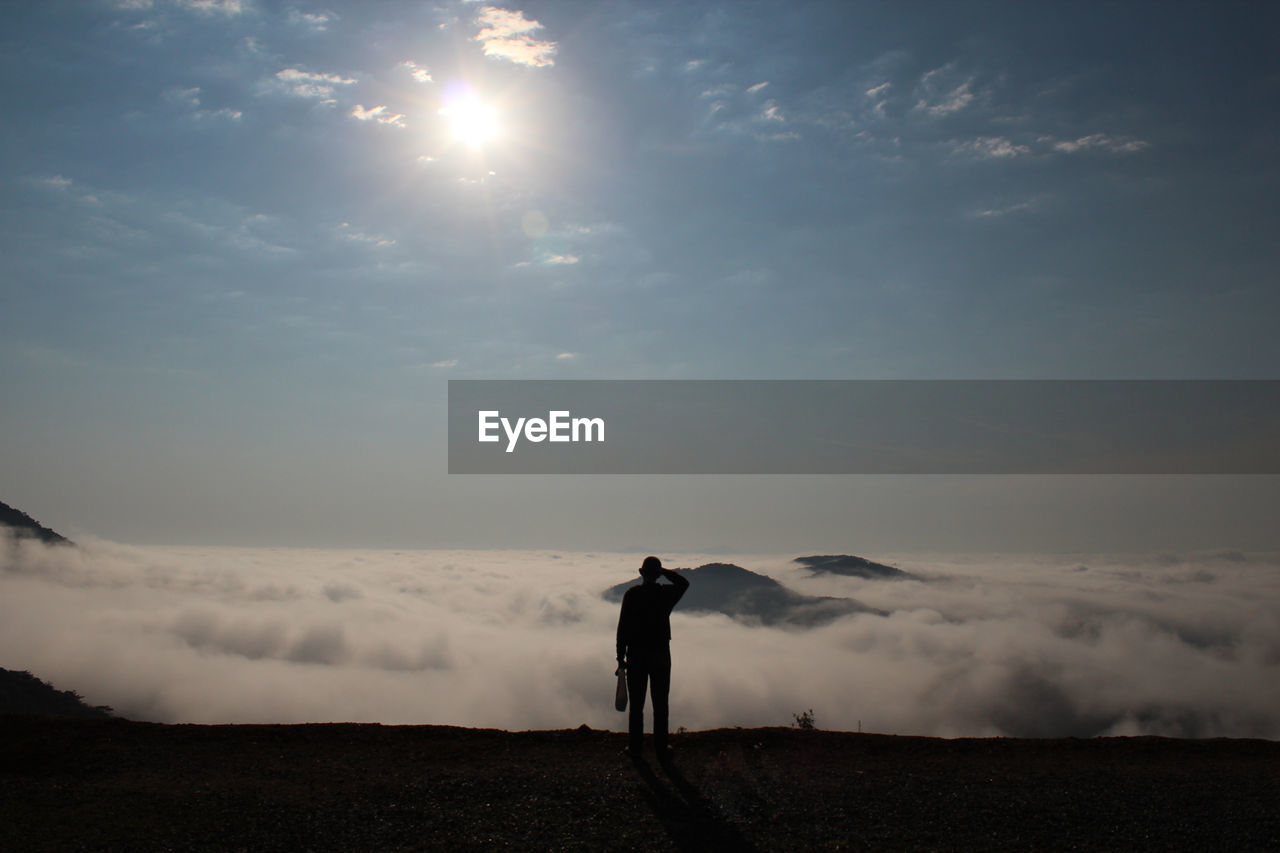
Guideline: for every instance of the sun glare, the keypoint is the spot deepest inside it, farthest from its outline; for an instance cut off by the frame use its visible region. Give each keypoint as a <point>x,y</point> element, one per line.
<point>471,121</point>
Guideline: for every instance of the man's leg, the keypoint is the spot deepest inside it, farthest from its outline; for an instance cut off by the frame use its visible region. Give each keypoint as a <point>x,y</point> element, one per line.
<point>660,687</point>
<point>637,682</point>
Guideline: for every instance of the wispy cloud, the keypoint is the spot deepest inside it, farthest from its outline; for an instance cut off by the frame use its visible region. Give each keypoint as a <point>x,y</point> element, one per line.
<point>222,7</point>
<point>879,96</point>
<point>941,92</point>
<point>310,84</point>
<point>187,97</point>
<point>445,363</point>
<point>1002,148</point>
<point>772,112</point>
<point>751,90</point>
<point>771,121</point>
<point>419,73</point>
<point>767,122</point>
<point>316,22</point>
<point>190,98</point>
<point>1010,209</point>
<point>223,113</point>
<point>561,259</point>
<point>346,232</point>
<point>1095,142</point>
<point>378,114</point>
<point>507,34</point>
<point>992,147</point>
<point>58,183</point>
<point>94,197</point>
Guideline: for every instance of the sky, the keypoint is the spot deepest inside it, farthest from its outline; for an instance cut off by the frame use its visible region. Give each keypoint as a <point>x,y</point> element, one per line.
<point>1170,644</point>
<point>247,243</point>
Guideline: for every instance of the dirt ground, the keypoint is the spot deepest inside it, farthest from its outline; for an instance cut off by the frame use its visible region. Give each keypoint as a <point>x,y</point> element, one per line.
<point>118,785</point>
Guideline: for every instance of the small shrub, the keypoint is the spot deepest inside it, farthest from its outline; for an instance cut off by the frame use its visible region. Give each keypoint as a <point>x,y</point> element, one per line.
<point>804,720</point>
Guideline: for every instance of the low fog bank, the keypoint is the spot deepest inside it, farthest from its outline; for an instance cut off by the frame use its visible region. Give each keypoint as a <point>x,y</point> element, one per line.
<point>1170,644</point>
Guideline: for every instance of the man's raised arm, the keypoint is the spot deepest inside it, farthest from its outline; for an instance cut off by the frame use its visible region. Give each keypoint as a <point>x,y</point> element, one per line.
<point>680,581</point>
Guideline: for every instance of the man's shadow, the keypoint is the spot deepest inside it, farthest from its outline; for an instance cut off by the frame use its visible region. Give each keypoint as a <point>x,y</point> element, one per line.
<point>689,818</point>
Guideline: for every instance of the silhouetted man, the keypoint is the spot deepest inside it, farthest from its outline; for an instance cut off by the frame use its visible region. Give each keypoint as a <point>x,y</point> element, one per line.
<point>644,649</point>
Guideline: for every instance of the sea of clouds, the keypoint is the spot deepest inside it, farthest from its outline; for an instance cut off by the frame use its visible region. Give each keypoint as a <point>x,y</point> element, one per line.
<point>1181,645</point>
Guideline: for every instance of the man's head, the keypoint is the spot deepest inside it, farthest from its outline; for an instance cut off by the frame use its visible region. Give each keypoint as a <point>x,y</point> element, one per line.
<point>650,568</point>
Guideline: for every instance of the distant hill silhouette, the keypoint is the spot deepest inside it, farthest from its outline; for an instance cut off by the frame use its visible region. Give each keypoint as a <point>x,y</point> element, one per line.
<point>25,526</point>
<point>754,598</point>
<point>23,693</point>
<point>853,567</point>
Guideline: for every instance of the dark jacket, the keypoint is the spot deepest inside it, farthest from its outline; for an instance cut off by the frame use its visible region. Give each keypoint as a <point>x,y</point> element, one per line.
<point>645,621</point>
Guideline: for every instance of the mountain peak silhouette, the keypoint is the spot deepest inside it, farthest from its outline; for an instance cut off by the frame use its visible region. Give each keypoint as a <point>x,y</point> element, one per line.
<point>25,526</point>
<point>23,693</point>
<point>752,598</point>
<point>848,565</point>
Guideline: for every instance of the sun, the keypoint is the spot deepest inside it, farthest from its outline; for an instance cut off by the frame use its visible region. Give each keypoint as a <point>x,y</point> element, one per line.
<point>471,121</point>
